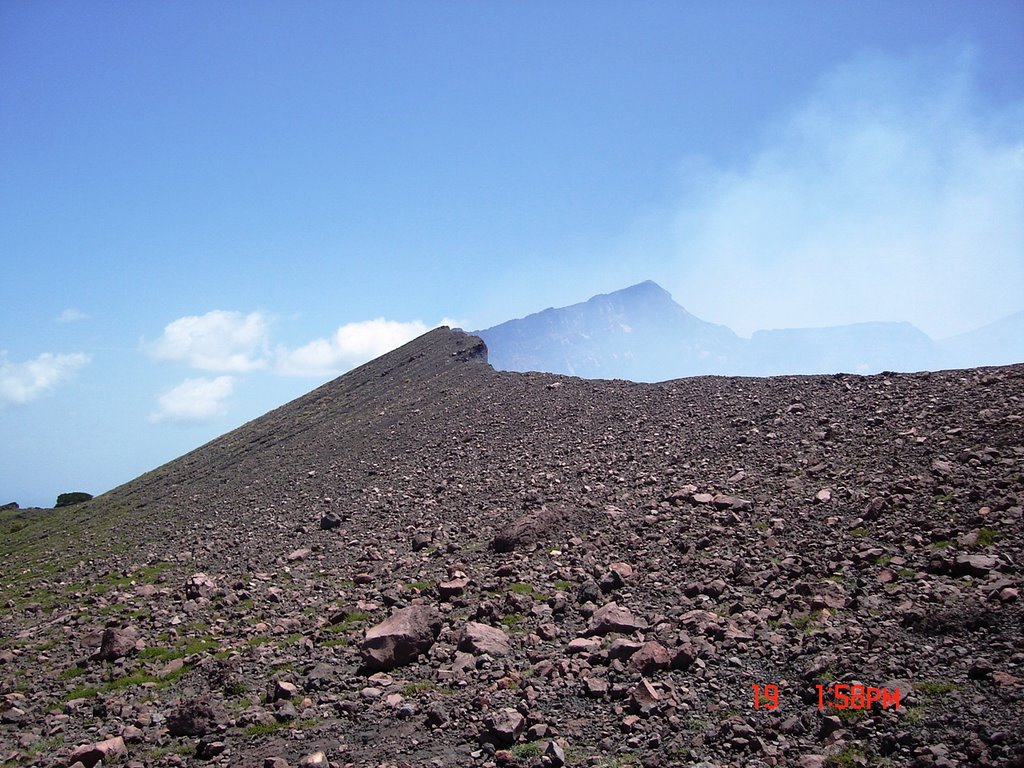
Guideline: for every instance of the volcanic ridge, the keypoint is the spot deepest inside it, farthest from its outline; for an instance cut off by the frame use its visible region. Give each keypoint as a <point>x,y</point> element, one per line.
<point>427,562</point>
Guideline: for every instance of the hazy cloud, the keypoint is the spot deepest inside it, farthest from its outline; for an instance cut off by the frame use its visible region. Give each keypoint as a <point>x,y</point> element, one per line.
<point>194,400</point>
<point>216,341</point>
<point>351,345</point>
<point>23,382</point>
<point>895,192</point>
<point>71,315</point>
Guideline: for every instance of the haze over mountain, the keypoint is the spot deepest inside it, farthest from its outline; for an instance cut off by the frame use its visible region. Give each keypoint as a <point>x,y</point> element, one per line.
<point>641,334</point>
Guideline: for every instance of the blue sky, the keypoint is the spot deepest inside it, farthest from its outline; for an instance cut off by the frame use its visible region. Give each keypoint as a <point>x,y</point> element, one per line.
<point>207,209</point>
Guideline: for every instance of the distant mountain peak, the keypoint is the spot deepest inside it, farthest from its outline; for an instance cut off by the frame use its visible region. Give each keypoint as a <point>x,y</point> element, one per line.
<point>641,333</point>
<point>648,289</point>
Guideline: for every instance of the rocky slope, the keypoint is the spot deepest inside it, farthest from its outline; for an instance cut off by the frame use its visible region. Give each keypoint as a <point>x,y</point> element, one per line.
<point>427,562</point>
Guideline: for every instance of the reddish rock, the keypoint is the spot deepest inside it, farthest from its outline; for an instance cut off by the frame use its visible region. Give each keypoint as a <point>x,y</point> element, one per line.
<point>117,643</point>
<point>582,645</point>
<point>526,530</point>
<point>724,501</point>
<point>452,588</point>
<point>1005,679</point>
<point>401,638</point>
<point>622,648</point>
<point>196,717</point>
<point>643,697</point>
<point>480,638</point>
<point>613,618</point>
<point>651,656</point>
<point>974,565</point>
<point>91,754</point>
<point>504,726</point>
<point>199,585</point>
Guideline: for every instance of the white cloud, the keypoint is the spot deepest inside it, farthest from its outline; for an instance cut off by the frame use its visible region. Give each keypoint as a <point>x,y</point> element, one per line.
<point>894,192</point>
<point>194,400</point>
<point>71,315</point>
<point>23,382</point>
<point>216,341</point>
<point>351,345</point>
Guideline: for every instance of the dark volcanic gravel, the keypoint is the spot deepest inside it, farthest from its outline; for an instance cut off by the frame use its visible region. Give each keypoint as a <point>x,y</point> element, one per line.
<point>573,572</point>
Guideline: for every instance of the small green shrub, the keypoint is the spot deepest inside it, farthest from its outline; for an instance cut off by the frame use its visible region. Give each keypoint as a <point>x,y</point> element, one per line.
<point>72,672</point>
<point>526,751</point>
<point>263,729</point>
<point>850,757</point>
<point>932,688</point>
<point>74,497</point>
<point>84,692</point>
<point>803,623</point>
<point>987,536</point>
<point>417,687</point>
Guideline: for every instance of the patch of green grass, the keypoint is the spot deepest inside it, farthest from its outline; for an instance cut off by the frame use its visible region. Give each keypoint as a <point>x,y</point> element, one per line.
<point>527,590</point>
<point>987,536</point>
<point>44,745</point>
<point>82,692</point>
<point>351,619</point>
<point>159,653</point>
<point>72,672</point>
<point>264,729</point>
<point>136,678</point>
<point>906,573</point>
<point>620,761</point>
<point>943,544</point>
<point>935,688</point>
<point>883,560</point>
<point>859,532</point>
<point>258,640</point>
<point>563,586</point>
<point>850,716</point>
<point>199,645</point>
<point>526,751</point>
<point>803,623</point>
<point>235,688</point>
<point>850,757</point>
<point>512,619</point>
<point>421,586</point>
<point>148,574</point>
<point>417,687</point>
<point>914,714</point>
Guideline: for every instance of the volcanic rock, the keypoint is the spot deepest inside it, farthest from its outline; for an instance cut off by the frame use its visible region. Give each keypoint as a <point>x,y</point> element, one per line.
<point>480,638</point>
<point>196,717</point>
<point>401,638</point>
<point>90,755</point>
<point>117,642</point>
<point>528,529</point>
<point>613,618</point>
